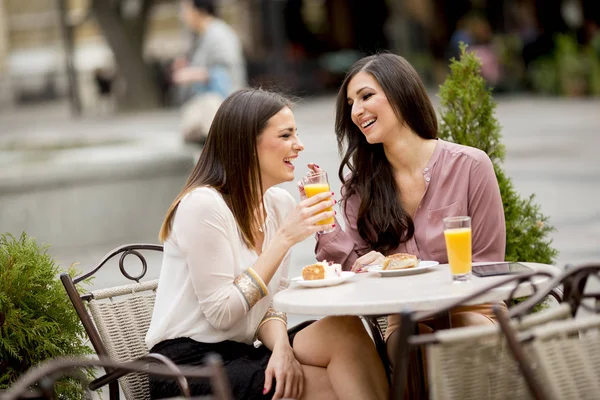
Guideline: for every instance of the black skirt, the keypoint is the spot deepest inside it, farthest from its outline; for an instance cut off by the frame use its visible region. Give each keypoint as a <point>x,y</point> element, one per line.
<point>244,364</point>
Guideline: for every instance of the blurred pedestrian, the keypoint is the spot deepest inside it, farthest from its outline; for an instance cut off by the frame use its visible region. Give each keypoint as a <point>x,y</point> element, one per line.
<point>214,68</point>
<point>475,31</point>
<point>104,79</point>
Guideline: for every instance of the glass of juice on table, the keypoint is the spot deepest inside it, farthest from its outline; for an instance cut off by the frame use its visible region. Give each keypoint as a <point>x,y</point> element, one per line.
<point>457,231</point>
<point>315,184</point>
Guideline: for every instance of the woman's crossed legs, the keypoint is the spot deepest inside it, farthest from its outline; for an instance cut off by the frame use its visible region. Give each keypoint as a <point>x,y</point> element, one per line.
<point>339,361</point>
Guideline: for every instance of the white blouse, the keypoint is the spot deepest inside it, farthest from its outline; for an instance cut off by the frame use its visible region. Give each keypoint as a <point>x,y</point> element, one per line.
<point>204,254</point>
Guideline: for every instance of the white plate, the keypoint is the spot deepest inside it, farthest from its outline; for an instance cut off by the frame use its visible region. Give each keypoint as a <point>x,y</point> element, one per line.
<point>324,282</point>
<point>423,265</point>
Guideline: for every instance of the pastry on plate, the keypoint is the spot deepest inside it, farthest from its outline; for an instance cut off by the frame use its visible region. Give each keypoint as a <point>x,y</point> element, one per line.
<point>400,261</point>
<point>321,270</point>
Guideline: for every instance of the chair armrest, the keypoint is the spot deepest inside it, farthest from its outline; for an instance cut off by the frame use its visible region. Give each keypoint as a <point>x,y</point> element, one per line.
<point>49,371</point>
<point>152,357</point>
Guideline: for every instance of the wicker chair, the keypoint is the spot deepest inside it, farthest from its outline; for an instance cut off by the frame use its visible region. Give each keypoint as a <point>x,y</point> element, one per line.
<point>560,360</point>
<point>475,363</point>
<point>378,326</point>
<point>574,280</point>
<point>465,363</point>
<point>116,320</point>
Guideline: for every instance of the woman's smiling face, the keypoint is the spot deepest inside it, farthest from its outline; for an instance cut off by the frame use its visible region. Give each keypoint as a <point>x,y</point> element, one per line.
<point>277,147</point>
<point>370,109</point>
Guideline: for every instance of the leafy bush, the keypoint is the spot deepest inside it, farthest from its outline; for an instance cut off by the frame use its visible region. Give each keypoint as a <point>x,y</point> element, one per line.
<point>571,70</point>
<point>37,319</point>
<point>468,118</point>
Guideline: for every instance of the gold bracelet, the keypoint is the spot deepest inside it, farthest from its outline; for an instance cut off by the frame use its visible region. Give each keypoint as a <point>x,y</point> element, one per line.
<point>272,314</point>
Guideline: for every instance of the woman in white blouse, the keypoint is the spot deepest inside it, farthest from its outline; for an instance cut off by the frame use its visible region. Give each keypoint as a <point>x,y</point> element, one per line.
<point>227,240</point>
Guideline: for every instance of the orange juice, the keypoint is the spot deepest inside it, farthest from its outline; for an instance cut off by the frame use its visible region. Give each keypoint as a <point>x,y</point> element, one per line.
<point>316,188</point>
<point>458,246</point>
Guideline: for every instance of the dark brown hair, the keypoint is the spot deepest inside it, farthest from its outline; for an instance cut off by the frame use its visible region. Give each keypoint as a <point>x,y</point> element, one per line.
<point>382,222</point>
<point>208,6</point>
<point>229,163</point>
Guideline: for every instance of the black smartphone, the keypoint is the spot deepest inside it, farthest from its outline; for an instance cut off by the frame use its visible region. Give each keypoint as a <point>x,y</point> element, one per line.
<point>505,268</point>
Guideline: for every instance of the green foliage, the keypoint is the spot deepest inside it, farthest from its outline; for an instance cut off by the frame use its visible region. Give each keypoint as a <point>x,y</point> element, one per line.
<point>527,229</point>
<point>572,70</point>
<point>593,55</point>
<point>509,47</point>
<point>571,66</point>
<point>468,108</point>
<point>542,74</point>
<point>39,320</point>
<point>468,118</point>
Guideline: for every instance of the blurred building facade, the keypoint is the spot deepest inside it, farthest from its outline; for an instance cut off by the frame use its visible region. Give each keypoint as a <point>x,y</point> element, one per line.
<point>287,42</point>
<point>32,48</point>
<point>301,45</point>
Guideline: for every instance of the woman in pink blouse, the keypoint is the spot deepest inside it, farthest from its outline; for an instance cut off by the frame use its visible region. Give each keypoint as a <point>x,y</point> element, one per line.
<point>403,181</point>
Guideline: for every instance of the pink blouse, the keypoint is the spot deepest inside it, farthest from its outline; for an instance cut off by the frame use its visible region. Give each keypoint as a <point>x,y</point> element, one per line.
<point>459,180</point>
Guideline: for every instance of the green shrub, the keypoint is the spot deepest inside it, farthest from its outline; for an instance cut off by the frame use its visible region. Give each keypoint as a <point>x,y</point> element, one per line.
<point>593,57</point>
<point>468,118</point>
<point>543,76</point>
<point>571,70</point>
<point>37,319</point>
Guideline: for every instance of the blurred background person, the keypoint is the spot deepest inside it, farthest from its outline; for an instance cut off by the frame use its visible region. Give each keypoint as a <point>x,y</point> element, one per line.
<point>213,68</point>
<point>104,79</point>
<point>475,31</point>
<point>215,61</point>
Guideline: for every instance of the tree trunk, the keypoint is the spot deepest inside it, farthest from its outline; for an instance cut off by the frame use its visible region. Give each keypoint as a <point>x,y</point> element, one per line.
<point>67,34</point>
<point>126,40</point>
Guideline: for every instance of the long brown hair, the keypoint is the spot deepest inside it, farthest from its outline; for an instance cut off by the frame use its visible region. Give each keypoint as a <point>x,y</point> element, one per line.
<point>229,163</point>
<point>382,222</point>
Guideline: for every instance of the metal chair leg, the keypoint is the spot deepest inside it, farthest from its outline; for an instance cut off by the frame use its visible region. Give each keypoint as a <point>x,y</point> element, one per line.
<point>400,375</point>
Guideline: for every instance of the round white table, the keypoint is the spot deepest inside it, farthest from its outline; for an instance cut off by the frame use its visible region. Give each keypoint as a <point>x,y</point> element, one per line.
<point>371,294</point>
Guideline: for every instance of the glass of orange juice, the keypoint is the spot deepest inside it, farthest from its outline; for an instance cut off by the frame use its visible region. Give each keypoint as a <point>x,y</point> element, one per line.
<point>457,231</point>
<point>315,184</point>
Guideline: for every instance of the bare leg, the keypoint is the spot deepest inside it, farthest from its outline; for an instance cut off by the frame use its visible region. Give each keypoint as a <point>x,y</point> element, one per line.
<point>481,314</point>
<point>316,384</point>
<point>342,345</point>
<point>463,319</point>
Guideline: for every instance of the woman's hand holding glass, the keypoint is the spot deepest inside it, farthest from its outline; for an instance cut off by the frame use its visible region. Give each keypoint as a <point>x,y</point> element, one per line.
<point>313,169</point>
<point>314,182</point>
<point>303,221</point>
